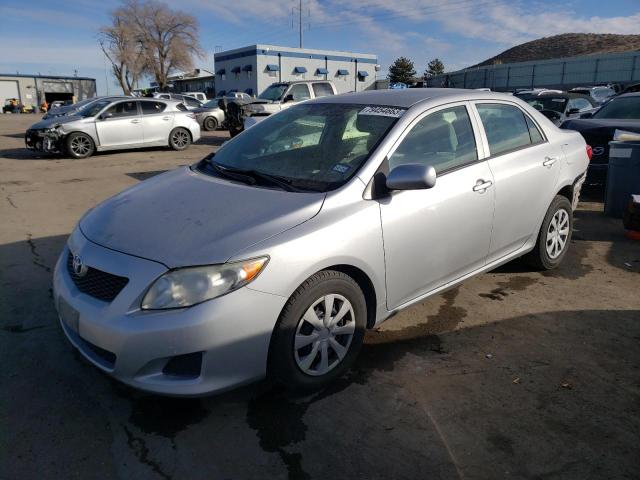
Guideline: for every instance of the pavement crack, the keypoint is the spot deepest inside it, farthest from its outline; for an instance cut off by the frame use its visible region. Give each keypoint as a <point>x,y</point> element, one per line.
<point>37,259</point>
<point>8,197</point>
<point>139,447</point>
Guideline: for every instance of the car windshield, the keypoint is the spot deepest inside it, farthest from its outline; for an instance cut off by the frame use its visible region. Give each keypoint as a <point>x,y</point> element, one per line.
<point>621,107</point>
<point>310,147</point>
<point>92,109</point>
<point>273,92</point>
<point>557,104</point>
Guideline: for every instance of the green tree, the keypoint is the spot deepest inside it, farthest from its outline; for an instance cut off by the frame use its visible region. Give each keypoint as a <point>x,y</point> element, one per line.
<point>434,67</point>
<point>402,70</point>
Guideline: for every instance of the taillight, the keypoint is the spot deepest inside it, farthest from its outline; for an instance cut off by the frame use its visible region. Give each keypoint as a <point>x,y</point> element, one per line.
<point>589,152</point>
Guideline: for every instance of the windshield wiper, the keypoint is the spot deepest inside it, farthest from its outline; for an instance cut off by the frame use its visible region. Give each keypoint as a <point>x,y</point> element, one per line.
<point>252,176</point>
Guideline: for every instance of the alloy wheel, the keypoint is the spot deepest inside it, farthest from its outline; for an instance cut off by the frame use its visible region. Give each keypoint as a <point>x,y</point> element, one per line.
<point>324,334</point>
<point>80,145</point>
<point>557,233</point>
<point>180,139</point>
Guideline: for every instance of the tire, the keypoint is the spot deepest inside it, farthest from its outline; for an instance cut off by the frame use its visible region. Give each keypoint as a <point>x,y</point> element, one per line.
<point>287,364</point>
<point>179,138</point>
<point>552,244</point>
<point>79,145</point>
<point>210,124</point>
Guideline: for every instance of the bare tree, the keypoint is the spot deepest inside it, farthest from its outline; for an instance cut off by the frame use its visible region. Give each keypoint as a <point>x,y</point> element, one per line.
<point>122,47</point>
<point>169,38</point>
<point>148,37</point>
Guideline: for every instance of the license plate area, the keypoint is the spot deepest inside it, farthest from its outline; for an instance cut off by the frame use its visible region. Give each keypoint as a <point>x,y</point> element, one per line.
<point>68,314</point>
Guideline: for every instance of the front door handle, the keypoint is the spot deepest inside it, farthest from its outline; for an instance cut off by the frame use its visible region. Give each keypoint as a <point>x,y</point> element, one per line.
<point>135,121</point>
<point>166,118</point>
<point>549,161</point>
<point>482,185</point>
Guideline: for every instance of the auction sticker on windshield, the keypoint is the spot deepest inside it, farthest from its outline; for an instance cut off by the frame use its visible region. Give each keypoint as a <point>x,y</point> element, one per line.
<point>382,111</point>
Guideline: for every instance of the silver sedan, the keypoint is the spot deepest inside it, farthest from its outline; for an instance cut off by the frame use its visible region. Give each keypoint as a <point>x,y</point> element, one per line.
<point>273,256</point>
<point>115,124</point>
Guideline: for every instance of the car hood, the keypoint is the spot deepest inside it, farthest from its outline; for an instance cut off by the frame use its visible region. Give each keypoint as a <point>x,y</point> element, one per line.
<point>50,122</point>
<point>183,218</point>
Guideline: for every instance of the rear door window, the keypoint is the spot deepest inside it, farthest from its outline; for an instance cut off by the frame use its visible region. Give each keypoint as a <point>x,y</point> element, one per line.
<point>505,126</point>
<point>322,89</point>
<point>149,108</point>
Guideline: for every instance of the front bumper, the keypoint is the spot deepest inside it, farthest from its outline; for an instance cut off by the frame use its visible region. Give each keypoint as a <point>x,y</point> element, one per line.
<point>43,141</point>
<point>232,333</point>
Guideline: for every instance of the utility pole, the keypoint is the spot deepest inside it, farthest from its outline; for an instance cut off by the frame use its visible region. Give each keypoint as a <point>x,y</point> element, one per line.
<point>300,24</point>
<point>300,12</point>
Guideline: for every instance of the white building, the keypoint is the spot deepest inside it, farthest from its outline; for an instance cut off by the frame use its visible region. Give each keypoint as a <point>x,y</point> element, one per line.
<point>252,69</point>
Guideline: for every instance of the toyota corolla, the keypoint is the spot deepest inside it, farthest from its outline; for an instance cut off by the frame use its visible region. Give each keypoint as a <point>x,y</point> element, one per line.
<point>274,255</point>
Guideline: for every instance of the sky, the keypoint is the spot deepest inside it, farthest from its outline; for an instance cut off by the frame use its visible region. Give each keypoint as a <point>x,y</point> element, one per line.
<point>60,38</point>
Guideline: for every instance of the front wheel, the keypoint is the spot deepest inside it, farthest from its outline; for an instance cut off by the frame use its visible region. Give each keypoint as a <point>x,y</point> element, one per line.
<point>79,145</point>
<point>179,138</point>
<point>319,333</point>
<point>554,236</point>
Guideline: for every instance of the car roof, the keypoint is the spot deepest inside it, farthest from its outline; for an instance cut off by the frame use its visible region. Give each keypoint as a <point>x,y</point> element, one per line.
<point>408,97</point>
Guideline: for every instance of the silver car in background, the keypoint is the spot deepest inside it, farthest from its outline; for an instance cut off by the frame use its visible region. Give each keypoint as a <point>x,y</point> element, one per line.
<point>115,124</point>
<point>274,255</point>
<point>210,116</point>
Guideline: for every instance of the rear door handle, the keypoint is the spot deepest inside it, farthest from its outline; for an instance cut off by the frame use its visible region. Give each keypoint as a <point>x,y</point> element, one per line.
<point>166,118</point>
<point>135,121</point>
<point>549,161</point>
<point>482,185</point>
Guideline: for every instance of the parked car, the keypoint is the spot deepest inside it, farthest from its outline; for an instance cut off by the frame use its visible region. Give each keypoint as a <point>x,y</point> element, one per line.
<point>274,255</point>
<point>200,96</point>
<point>534,91</point>
<point>632,88</point>
<point>241,114</point>
<point>58,104</point>
<point>619,113</point>
<point>599,94</point>
<point>74,108</point>
<point>558,107</point>
<point>210,116</point>
<point>189,102</point>
<point>115,124</point>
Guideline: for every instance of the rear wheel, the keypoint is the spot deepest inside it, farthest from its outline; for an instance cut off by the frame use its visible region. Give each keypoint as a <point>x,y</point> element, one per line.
<point>179,138</point>
<point>79,145</point>
<point>554,236</point>
<point>319,333</point>
<point>210,123</point>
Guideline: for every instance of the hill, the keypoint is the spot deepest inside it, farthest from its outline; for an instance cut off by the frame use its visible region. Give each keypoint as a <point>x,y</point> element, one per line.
<point>566,45</point>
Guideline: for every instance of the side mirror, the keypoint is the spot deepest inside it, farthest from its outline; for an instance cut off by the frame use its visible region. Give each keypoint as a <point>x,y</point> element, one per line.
<point>587,115</point>
<point>413,176</point>
<point>106,115</point>
<point>573,111</point>
<point>288,98</point>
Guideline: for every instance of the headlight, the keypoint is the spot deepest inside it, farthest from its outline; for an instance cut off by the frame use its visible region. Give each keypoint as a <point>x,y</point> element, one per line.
<point>188,286</point>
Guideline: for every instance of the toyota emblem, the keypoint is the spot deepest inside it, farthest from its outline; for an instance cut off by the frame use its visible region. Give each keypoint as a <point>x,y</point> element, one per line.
<point>79,268</point>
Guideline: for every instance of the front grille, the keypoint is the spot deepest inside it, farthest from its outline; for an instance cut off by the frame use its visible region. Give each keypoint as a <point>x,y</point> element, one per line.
<point>101,285</point>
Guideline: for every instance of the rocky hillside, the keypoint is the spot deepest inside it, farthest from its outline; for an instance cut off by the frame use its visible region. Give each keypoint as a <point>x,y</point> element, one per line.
<point>566,45</point>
